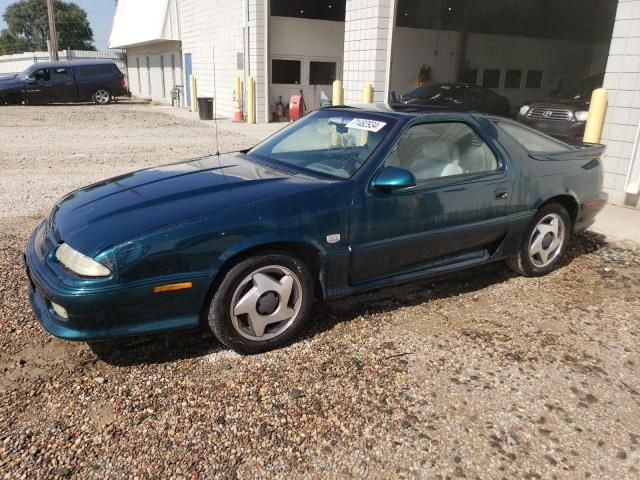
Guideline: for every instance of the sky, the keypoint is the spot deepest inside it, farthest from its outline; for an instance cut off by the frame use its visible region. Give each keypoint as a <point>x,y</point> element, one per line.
<point>100,13</point>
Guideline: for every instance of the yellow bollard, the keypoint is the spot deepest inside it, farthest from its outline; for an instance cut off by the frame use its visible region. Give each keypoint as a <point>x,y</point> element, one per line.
<point>251,100</point>
<point>337,93</point>
<point>194,96</point>
<point>367,93</point>
<point>595,120</point>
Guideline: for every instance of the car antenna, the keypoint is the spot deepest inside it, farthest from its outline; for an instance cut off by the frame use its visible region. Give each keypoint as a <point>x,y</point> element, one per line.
<point>215,100</point>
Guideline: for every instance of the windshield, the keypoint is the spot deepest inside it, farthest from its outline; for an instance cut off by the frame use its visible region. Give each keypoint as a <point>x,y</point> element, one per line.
<point>25,73</point>
<point>578,89</point>
<point>330,142</point>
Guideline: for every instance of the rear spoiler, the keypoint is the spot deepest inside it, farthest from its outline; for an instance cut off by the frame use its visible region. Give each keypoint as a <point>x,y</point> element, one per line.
<point>580,151</point>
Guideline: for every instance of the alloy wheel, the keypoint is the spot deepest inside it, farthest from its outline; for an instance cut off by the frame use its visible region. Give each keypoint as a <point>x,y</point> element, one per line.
<point>266,303</point>
<point>547,238</point>
<point>102,96</point>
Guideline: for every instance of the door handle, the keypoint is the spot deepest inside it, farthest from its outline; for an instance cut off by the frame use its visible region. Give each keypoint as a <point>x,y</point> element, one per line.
<point>501,194</point>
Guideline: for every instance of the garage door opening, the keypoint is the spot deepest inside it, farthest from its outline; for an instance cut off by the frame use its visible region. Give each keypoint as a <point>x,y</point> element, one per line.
<point>515,50</point>
<point>306,50</point>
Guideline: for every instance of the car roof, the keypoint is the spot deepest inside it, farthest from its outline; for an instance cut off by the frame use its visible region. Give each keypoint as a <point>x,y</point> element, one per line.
<point>71,63</point>
<point>403,111</point>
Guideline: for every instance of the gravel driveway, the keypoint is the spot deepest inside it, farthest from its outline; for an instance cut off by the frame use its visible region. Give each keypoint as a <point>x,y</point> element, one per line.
<point>481,374</point>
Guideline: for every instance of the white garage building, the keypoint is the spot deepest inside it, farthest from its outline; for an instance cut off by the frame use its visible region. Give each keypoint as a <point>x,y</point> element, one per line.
<point>521,49</point>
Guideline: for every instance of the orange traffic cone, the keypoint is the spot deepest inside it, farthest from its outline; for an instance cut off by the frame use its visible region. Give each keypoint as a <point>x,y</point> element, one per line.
<point>237,114</point>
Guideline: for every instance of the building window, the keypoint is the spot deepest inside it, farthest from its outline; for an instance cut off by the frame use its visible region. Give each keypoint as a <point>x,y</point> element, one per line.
<point>138,72</point>
<point>173,70</point>
<point>322,73</point>
<point>164,91</point>
<point>534,79</point>
<point>491,78</point>
<point>286,72</point>
<point>470,76</point>
<point>513,78</point>
<point>149,76</point>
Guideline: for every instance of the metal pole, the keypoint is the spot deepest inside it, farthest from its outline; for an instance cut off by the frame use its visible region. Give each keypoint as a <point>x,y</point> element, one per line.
<point>53,36</point>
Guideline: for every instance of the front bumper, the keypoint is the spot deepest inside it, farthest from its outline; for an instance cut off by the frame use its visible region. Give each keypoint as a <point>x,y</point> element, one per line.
<point>555,128</point>
<point>108,312</point>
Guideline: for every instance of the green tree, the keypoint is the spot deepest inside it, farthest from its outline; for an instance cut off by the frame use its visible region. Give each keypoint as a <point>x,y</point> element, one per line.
<point>28,27</point>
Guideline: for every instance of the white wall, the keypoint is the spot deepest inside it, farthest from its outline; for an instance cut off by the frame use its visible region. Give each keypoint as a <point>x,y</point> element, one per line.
<point>316,40</point>
<point>622,123</point>
<point>366,52</point>
<point>215,27</point>
<point>413,47</point>
<point>154,52</point>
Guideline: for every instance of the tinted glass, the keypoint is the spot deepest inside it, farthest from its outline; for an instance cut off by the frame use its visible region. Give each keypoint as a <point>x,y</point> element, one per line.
<point>334,143</point>
<point>534,79</point>
<point>286,71</point>
<point>96,70</point>
<point>512,79</point>
<point>322,73</point>
<point>42,74</point>
<point>532,141</point>
<point>437,93</point>
<point>470,76</point>
<point>60,73</point>
<point>435,150</point>
<point>491,78</point>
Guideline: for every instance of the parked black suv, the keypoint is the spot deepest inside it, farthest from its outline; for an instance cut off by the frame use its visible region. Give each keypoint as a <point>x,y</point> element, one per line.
<point>73,81</point>
<point>564,114</point>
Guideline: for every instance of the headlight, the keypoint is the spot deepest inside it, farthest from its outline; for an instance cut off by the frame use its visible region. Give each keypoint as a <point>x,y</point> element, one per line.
<point>524,109</point>
<point>79,263</point>
<point>582,116</point>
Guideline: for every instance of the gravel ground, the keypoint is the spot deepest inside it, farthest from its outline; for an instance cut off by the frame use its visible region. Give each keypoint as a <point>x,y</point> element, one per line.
<point>482,374</point>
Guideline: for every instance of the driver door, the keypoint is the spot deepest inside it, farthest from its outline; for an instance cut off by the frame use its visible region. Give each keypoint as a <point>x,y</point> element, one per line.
<point>455,213</point>
<point>38,87</point>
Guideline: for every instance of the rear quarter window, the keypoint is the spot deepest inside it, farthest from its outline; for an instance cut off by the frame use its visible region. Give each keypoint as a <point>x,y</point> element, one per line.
<point>532,141</point>
<point>91,71</point>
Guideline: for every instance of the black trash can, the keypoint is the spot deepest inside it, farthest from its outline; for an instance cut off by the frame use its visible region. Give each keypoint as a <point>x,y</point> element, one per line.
<point>205,108</point>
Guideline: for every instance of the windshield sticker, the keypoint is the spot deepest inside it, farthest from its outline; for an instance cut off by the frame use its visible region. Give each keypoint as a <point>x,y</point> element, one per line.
<point>365,124</point>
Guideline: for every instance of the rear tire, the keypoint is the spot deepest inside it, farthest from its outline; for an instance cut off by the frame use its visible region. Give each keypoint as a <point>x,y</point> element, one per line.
<point>262,303</point>
<point>544,242</point>
<point>101,96</point>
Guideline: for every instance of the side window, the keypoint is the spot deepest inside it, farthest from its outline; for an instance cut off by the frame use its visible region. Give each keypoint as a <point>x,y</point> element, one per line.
<point>42,75</point>
<point>434,150</point>
<point>532,141</point>
<point>60,74</point>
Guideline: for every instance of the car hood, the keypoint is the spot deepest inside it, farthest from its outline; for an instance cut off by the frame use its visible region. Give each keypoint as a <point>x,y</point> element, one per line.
<point>9,83</point>
<point>115,210</point>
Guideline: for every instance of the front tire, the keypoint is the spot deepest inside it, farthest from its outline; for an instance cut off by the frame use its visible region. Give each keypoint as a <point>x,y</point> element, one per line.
<point>544,242</point>
<point>262,303</point>
<point>102,96</point>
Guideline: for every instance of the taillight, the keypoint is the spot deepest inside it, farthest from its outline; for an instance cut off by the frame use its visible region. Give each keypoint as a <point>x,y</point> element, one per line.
<point>123,84</point>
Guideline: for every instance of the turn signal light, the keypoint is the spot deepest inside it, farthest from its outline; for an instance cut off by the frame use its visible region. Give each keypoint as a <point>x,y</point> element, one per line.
<point>171,287</point>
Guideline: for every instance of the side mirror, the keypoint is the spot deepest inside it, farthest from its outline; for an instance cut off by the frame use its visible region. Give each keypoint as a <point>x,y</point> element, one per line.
<point>393,178</point>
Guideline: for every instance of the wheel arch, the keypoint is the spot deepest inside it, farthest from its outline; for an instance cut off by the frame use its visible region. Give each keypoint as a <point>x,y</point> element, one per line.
<point>306,251</point>
<point>568,201</point>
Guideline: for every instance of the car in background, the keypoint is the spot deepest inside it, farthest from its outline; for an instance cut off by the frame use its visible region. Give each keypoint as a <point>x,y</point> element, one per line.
<point>99,81</point>
<point>564,113</point>
<point>342,201</point>
<point>456,96</point>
